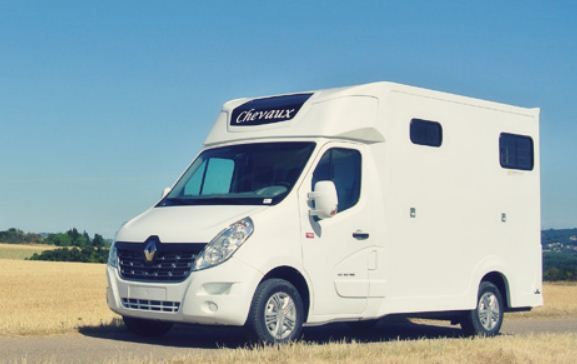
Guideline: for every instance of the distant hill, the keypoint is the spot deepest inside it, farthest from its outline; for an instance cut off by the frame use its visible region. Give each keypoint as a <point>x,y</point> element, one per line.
<point>563,235</point>
<point>559,254</point>
<point>559,240</point>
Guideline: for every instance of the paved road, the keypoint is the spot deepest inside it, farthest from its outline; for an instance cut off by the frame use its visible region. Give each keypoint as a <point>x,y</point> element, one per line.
<point>99,345</point>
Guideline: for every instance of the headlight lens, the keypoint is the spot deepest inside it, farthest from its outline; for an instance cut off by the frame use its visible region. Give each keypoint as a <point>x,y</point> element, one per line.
<point>223,246</point>
<point>113,256</point>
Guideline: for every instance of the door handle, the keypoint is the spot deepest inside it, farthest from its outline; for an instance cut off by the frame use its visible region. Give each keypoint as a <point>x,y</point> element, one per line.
<point>360,235</point>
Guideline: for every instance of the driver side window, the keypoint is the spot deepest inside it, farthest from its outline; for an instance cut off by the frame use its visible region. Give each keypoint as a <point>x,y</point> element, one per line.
<point>343,167</point>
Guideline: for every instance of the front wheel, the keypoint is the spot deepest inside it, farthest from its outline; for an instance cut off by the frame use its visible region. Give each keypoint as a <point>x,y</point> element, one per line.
<point>276,313</point>
<point>146,328</point>
<point>486,319</point>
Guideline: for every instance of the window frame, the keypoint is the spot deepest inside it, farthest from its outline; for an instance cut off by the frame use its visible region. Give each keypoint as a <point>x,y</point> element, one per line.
<point>360,183</point>
<point>516,166</point>
<point>415,121</point>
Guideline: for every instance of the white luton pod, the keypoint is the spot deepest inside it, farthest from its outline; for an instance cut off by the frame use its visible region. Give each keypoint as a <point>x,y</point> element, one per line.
<point>345,204</point>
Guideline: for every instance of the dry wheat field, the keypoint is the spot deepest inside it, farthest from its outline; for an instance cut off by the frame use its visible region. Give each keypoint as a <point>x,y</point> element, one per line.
<point>54,297</point>
<point>22,251</point>
<point>560,301</point>
<point>51,297</point>
<point>543,348</point>
<point>40,298</point>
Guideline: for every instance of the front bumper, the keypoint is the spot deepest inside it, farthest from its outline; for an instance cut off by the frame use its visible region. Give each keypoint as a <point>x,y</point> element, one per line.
<point>216,296</point>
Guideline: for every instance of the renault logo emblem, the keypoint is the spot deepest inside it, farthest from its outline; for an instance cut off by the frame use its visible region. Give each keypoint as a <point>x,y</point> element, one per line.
<point>150,249</point>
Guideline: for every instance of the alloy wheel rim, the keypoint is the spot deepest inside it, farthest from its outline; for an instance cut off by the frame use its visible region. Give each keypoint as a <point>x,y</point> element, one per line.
<point>489,311</point>
<point>280,315</point>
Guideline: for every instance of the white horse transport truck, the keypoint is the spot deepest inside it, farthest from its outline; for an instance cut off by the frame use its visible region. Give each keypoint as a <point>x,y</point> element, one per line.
<point>345,204</point>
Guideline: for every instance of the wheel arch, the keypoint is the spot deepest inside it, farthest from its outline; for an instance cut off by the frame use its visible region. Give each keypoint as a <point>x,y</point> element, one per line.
<point>500,281</point>
<point>297,279</point>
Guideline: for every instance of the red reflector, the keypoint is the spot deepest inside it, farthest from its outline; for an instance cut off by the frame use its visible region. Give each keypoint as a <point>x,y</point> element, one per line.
<point>310,235</point>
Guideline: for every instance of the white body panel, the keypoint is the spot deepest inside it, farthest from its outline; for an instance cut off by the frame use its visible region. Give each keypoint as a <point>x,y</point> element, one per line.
<point>470,217</point>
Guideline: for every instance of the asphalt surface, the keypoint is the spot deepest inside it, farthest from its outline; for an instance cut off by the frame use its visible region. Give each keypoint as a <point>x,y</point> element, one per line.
<point>92,345</point>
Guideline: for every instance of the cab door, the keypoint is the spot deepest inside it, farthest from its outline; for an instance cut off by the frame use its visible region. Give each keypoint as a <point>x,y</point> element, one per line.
<point>336,250</point>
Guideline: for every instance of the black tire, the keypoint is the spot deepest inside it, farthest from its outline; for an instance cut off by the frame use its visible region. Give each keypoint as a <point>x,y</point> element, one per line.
<point>146,328</point>
<point>256,318</point>
<point>472,322</point>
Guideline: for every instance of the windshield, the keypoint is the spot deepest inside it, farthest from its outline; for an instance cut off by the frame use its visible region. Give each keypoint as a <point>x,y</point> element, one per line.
<point>247,174</point>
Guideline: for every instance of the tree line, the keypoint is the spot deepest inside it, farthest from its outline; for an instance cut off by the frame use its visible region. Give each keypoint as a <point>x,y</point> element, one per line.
<point>17,236</point>
<point>81,247</point>
<point>74,246</point>
<point>559,266</point>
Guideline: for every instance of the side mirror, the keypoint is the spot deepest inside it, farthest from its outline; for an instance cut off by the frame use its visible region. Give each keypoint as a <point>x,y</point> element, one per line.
<point>165,192</point>
<point>325,199</point>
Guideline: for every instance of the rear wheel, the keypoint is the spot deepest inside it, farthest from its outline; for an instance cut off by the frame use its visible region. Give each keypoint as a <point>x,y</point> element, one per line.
<point>277,312</point>
<point>146,328</point>
<point>486,319</point>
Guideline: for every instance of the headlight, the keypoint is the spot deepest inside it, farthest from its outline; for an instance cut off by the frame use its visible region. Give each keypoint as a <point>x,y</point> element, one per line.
<point>224,244</point>
<point>113,256</point>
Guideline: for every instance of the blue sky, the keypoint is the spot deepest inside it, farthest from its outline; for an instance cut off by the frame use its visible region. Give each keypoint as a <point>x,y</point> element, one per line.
<point>104,103</point>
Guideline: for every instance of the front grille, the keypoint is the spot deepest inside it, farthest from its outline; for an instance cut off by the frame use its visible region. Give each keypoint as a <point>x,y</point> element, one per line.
<point>172,262</point>
<point>150,305</point>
